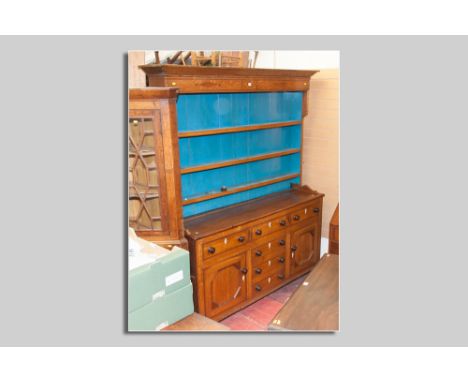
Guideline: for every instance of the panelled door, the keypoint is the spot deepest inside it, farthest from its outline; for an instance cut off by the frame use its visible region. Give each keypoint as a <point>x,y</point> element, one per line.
<point>305,247</point>
<point>225,284</point>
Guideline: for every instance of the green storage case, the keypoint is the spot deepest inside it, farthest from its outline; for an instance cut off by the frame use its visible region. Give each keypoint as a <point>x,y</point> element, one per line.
<point>157,279</point>
<point>162,311</point>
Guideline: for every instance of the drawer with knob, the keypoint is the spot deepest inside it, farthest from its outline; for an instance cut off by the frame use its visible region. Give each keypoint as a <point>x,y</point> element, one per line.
<point>269,226</point>
<point>305,213</point>
<point>266,284</point>
<point>275,245</point>
<point>269,267</point>
<point>215,247</point>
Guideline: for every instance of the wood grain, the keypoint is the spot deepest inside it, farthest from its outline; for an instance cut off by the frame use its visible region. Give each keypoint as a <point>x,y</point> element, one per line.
<point>237,129</point>
<point>314,305</point>
<point>235,190</point>
<point>234,162</point>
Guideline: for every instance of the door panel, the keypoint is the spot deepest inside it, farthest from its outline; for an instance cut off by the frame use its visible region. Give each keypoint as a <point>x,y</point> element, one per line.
<point>305,247</point>
<point>225,284</point>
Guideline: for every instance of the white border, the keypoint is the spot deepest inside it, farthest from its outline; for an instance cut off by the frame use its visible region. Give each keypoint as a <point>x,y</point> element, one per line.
<point>244,17</point>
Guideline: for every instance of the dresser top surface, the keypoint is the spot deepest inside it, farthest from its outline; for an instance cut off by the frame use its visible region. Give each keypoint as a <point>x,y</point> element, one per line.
<point>182,70</point>
<point>206,224</point>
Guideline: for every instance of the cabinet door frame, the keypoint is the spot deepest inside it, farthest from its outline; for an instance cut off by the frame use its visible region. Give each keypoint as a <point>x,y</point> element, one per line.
<point>209,274</point>
<point>155,116</point>
<point>313,225</point>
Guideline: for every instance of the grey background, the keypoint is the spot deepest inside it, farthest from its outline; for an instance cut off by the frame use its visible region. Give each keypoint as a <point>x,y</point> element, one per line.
<point>403,190</point>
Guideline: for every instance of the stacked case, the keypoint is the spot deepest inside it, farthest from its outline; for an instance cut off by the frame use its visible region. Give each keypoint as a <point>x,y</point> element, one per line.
<point>160,293</point>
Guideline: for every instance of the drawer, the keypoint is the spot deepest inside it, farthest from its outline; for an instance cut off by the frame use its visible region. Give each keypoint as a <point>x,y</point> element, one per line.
<point>269,226</point>
<point>268,283</point>
<point>270,267</point>
<point>305,213</point>
<point>271,247</point>
<point>225,243</point>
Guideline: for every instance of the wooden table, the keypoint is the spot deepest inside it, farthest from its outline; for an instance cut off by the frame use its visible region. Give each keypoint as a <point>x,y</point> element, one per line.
<point>197,322</point>
<point>314,305</point>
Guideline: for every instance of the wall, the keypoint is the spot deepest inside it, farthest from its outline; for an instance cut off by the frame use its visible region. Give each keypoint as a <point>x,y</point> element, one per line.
<point>321,141</point>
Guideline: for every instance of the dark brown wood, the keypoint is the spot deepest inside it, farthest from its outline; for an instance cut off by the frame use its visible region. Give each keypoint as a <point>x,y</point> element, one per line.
<point>334,233</point>
<point>233,162</point>
<point>159,105</point>
<point>197,322</point>
<point>152,93</point>
<point>239,189</point>
<point>199,79</point>
<point>237,129</point>
<point>197,227</point>
<point>314,305</point>
<point>248,247</point>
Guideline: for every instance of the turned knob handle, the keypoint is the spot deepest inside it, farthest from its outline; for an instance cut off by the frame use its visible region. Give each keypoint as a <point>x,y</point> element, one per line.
<point>258,270</point>
<point>281,259</point>
<point>258,287</point>
<point>316,210</point>
<point>241,239</point>
<point>258,231</point>
<point>296,217</point>
<point>258,253</point>
<point>281,277</point>
<point>244,270</point>
<point>294,247</point>
<point>211,250</point>
<point>282,242</point>
<point>283,222</point>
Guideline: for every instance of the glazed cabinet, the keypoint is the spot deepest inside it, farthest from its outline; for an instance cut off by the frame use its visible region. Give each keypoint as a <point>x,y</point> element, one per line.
<point>154,200</point>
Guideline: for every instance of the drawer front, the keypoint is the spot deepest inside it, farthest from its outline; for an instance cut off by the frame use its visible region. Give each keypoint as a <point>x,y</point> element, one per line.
<point>268,283</point>
<point>305,213</point>
<point>270,267</point>
<point>225,243</point>
<point>273,246</point>
<point>270,226</point>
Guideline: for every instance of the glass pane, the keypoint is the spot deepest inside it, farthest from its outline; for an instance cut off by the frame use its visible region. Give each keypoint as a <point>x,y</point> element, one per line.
<point>144,208</point>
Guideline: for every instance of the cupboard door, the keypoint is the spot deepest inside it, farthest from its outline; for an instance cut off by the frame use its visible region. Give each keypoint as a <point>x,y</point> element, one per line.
<point>305,247</point>
<point>225,284</point>
<point>146,176</point>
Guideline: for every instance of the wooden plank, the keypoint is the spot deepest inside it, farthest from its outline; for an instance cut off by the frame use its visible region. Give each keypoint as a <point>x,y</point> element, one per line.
<point>197,322</point>
<point>314,305</point>
<point>224,218</point>
<point>239,189</point>
<point>223,71</point>
<point>233,162</point>
<point>237,129</point>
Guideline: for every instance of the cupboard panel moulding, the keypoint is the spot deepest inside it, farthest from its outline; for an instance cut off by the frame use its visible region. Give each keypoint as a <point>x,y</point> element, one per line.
<point>191,79</point>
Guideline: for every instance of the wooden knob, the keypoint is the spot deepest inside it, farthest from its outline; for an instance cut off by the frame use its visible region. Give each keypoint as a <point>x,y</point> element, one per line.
<point>211,250</point>
<point>283,222</point>
<point>282,242</point>
<point>258,253</point>
<point>296,217</point>
<point>241,239</point>
<point>294,247</point>
<point>281,259</point>
<point>281,276</point>
<point>258,287</point>
<point>316,210</point>
<point>258,231</point>
<point>244,270</point>
<point>258,270</point>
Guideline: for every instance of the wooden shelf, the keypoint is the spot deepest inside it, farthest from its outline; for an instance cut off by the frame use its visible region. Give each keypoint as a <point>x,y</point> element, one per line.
<point>239,189</point>
<point>189,170</point>
<point>236,129</point>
